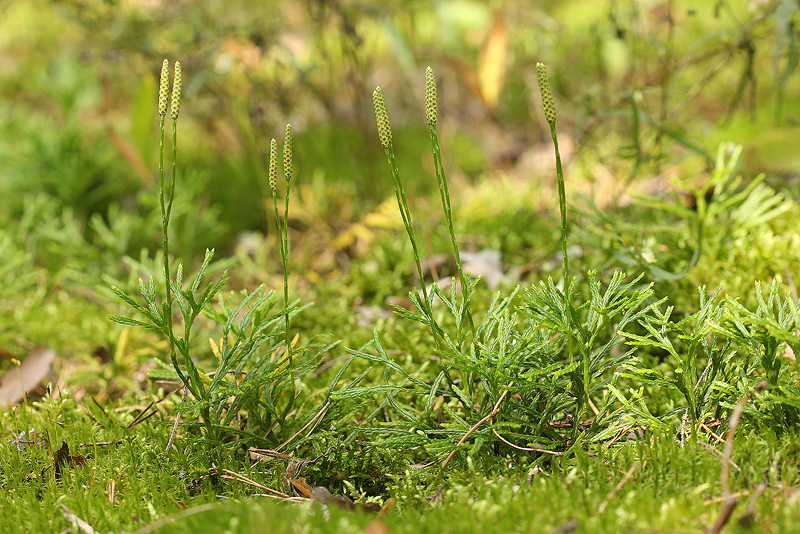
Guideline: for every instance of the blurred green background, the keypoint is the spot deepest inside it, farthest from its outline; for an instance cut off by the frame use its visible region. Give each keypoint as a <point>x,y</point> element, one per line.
<point>645,90</point>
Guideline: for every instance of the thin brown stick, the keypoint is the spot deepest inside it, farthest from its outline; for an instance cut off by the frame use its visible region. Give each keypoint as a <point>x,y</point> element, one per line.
<point>176,503</point>
<point>241,478</point>
<point>716,437</point>
<point>94,400</point>
<point>491,414</point>
<point>621,433</point>
<point>731,501</point>
<point>750,511</point>
<point>177,421</point>
<point>101,443</point>
<point>717,500</point>
<point>82,525</point>
<point>618,487</point>
<point>320,415</point>
<point>138,422</point>
<point>527,449</point>
<point>139,415</point>
<point>711,449</point>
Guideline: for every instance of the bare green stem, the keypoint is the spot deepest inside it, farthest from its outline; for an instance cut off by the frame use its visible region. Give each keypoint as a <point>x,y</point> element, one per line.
<point>444,193</point>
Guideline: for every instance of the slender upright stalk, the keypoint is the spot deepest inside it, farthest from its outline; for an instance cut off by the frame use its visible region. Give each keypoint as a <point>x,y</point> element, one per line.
<point>163,90</point>
<point>550,115</point>
<point>287,172</point>
<point>385,135</point>
<point>444,191</point>
<point>193,382</point>
<point>283,242</point>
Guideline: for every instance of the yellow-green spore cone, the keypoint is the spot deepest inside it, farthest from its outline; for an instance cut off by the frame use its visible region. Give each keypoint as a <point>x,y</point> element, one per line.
<point>176,92</point>
<point>163,88</point>
<point>384,128</point>
<point>287,152</point>
<point>430,97</point>
<point>548,103</point>
<point>273,165</point>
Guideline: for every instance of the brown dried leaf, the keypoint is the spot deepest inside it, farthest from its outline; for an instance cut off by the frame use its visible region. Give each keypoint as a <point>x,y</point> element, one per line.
<point>300,486</point>
<point>321,495</point>
<point>377,527</point>
<point>63,458</point>
<point>17,382</point>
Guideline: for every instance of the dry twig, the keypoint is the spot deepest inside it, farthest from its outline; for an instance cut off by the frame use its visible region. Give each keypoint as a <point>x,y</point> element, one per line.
<point>618,487</point>
<point>527,449</point>
<point>82,525</point>
<point>475,427</point>
<point>232,475</point>
<point>177,421</point>
<point>711,449</point>
<point>730,501</point>
<point>315,420</point>
<point>750,511</point>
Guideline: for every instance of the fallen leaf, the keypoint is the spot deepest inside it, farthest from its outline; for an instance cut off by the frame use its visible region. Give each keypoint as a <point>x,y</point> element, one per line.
<point>377,527</point>
<point>300,486</point>
<point>24,379</point>
<point>63,458</point>
<point>323,496</point>
<point>492,62</point>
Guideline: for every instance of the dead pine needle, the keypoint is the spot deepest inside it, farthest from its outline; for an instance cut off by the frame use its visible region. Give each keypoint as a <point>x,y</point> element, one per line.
<point>712,450</point>
<point>232,475</point>
<point>526,449</point>
<point>730,500</point>
<point>177,422</point>
<point>477,425</point>
<point>141,417</point>
<point>750,511</point>
<point>619,486</point>
<point>314,420</point>
<point>82,525</point>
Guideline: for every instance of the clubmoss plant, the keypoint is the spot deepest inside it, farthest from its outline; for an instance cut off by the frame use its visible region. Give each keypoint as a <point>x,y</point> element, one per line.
<point>162,319</point>
<point>519,386</point>
<point>444,191</point>
<point>251,393</point>
<point>282,229</point>
<point>166,209</point>
<point>385,136</point>
<point>287,172</point>
<point>549,106</point>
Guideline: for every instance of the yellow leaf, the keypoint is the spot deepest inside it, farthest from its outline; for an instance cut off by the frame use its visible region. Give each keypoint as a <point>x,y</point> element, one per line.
<point>215,348</point>
<point>492,62</point>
